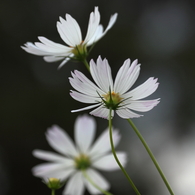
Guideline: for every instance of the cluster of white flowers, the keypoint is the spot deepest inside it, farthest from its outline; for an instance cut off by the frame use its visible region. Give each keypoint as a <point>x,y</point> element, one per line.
<point>104,94</point>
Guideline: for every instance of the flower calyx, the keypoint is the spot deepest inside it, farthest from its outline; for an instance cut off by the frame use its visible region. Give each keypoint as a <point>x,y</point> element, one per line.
<point>54,183</point>
<point>111,100</point>
<point>80,52</point>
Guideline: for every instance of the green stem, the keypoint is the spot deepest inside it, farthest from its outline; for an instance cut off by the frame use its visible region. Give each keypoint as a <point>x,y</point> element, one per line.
<point>52,192</point>
<point>96,186</point>
<point>151,156</point>
<point>86,64</point>
<point>115,156</point>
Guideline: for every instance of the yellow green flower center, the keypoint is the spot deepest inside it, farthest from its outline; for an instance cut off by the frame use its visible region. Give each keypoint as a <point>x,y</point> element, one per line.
<point>80,51</point>
<point>82,162</point>
<point>112,100</point>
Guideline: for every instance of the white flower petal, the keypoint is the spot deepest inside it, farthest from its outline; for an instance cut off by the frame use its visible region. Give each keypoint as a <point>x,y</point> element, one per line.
<point>101,73</point>
<point>105,73</point>
<point>84,98</point>
<point>120,75</point>
<point>80,76</point>
<point>85,108</point>
<point>55,170</point>
<point>142,106</point>
<point>65,60</point>
<point>52,50</point>
<point>69,31</point>
<point>51,156</point>
<point>56,47</point>
<point>102,144</point>
<point>75,186</point>
<point>126,113</point>
<point>108,163</point>
<point>60,141</point>
<point>98,179</point>
<point>99,31</point>
<point>96,36</point>
<point>82,84</point>
<point>32,49</point>
<point>52,58</point>
<point>102,112</point>
<point>47,47</point>
<point>126,76</point>
<point>143,90</point>
<point>110,24</point>
<point>94,21</point>
<point>85,127</point>
<point>94,73</point>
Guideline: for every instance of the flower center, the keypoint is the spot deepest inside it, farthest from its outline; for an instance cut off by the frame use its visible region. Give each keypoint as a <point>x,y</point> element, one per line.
<point>112,100</point>
<point>80,51</point>
<point>82,162</point>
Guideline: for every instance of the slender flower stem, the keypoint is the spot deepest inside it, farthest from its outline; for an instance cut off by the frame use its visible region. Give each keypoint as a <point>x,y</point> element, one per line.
<point>151,156</point>
<point>86,64</point>
<point>115,156</point>
<point>96,186</point>
<point>52,192</point>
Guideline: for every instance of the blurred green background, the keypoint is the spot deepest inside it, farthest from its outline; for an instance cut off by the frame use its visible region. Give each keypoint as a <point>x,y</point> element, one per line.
<point>35,95</point>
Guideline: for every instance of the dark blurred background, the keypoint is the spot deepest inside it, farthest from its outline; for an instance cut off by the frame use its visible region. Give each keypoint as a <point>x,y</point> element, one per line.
<point>35,95</point>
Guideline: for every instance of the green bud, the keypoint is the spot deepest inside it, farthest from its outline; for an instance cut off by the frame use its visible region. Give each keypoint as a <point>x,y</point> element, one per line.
<point>54,183</point>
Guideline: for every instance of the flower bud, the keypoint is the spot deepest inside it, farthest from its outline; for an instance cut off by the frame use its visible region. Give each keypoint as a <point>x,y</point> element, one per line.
<point>54,183</point>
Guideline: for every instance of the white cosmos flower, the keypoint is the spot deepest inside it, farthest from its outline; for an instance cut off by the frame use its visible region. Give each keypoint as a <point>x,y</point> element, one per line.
<point>72,160</point>
<point>70,33</point>
<point>107,94</point>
